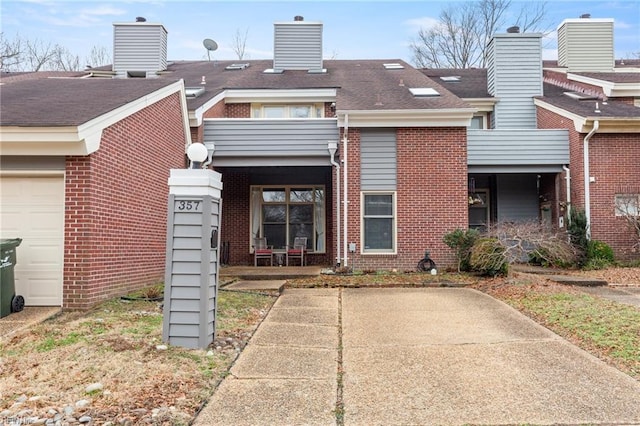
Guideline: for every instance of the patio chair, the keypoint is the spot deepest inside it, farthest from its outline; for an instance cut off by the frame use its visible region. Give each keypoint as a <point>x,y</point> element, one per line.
<point>298,250</point>
<point>262,251</point>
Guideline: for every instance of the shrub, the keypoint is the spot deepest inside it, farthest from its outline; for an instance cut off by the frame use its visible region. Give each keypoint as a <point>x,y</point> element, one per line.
<point>488,257</point>
<point>577,228</point>
<point>599,255</point>
<point>462,241</point>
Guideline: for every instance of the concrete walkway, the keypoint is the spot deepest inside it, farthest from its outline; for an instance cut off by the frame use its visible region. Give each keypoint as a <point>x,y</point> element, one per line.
<point>414,357</point>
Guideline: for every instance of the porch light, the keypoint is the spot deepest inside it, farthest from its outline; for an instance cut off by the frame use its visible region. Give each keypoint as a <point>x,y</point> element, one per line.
<point>197,153</point>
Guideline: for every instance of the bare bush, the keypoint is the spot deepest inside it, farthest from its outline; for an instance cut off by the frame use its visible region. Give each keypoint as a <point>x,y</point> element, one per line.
<point>531,241</point>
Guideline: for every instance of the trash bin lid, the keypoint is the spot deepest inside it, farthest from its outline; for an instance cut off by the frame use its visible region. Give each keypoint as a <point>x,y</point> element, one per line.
<point>10,243</point>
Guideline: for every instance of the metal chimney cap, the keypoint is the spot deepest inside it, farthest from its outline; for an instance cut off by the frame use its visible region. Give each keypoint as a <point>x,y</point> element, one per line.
<point>513,30</point>
<point>141,19</point>
<point>585,16</point>
<point>298,18</point>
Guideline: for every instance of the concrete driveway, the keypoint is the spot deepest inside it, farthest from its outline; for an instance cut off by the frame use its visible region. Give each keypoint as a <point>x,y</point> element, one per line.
<point>414,357</point>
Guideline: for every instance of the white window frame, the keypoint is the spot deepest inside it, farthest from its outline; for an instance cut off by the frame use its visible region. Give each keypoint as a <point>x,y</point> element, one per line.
<point>316,110</point>
<point>483,117</point>
<point>394,218</point>
<point>623,202</point>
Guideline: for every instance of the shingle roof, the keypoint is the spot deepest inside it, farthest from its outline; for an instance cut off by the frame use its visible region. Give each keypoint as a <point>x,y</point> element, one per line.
<point>55,102</point>
<point>614,77</point>
<point>360,84</point>
<point>472,83</point>
<point>554,95</point>
<point>10,77</point>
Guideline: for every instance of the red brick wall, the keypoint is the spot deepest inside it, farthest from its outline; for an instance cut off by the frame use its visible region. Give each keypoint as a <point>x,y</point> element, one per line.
<point>615,164</point>
<point>431,196</point>
<point>238,111</point>
<point>236,215</point>
<point>116,206</point>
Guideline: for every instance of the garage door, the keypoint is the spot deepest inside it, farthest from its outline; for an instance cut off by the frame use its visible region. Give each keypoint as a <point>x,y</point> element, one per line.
<point>32,208</point>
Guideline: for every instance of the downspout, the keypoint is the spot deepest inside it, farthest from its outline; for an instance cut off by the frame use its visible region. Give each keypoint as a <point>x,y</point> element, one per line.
<point>333,147</point>
<point>345,141</point>
<point>567,178</point>
<point>587,194</point>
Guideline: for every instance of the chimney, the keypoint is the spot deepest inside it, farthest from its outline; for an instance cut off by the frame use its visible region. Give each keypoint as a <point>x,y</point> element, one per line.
<point>586,44</point>
<point>514,75</point>
<point>139,48</point>
<point>297,45</point>
<point>513,30</point>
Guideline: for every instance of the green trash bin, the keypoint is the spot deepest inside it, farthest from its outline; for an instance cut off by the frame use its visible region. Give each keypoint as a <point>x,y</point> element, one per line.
<point>9,300</point>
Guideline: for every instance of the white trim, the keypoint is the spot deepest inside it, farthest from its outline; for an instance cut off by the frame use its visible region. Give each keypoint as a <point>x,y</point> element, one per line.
<point>451,117</point>
<point>610,88</point>
<point>85,138</point>
<point>482,104</point>
<point>394,199</point>
<point>585,124</point>
<point>196,116</point>
<point>279,95</point>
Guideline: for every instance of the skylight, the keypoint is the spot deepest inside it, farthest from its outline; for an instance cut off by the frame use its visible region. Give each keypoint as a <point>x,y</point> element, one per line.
<point>237,66</point>
<point>450,78</point>
<point>423,92</point>
<point>193,92</point>
<point>393,66</point>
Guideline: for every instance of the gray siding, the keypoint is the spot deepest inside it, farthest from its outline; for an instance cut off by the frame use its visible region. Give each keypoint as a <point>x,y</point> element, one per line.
<point>517,197</point>
<point>522,147</point>
<point>289,142</point>
<point>191,274</point>
<point>586,45</point>
<point>378,166</point>
<point>514,77</point>
<point>140,47</point>
<point>297,46</point>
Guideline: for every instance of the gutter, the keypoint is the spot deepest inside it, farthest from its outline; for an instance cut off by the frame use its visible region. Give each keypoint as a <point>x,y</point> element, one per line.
<point>587,193</point>
<point>333,147</point>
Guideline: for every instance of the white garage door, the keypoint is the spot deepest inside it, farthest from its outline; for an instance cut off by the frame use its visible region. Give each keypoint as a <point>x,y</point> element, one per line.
<point>32,208</point>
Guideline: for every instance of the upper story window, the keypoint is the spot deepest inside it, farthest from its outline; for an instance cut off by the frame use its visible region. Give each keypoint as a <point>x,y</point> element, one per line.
<point>478,122</point>
<point>287,111</point>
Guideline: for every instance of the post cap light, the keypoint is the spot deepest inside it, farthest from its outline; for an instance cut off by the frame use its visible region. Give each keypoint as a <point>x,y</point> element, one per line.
<point>197,153</point>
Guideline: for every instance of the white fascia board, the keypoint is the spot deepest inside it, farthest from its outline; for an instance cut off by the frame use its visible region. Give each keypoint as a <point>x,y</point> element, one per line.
<point>579,122</point>
<point>482,104</point>
<point>610,89</point>
<point>196,116</point>
<point>280,95</point>
<point>83,139</point>
<point>585,124</point>
<point>452,117</point>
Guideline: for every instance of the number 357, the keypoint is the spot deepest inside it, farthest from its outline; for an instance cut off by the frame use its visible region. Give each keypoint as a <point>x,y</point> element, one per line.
<point>184,205</point>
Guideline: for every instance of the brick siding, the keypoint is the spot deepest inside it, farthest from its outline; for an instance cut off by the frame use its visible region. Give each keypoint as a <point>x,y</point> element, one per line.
<point>116,206</point>
<point>615,164</point>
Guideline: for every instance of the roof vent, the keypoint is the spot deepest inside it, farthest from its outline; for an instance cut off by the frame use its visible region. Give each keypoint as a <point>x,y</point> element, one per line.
<point>393,66</point>
<point>513,30</point>
<point>450,78</point>
<point>237,66</point>
<point>423,92</point>
<point>298,18</point>
<point>141,19</point>
<point>585,16</point>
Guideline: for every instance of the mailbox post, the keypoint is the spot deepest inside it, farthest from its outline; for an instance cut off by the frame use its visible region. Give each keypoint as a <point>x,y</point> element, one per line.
<point>191,276</point>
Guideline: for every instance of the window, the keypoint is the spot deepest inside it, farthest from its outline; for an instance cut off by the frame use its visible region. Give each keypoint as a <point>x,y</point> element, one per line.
<point>283,213</point>
<point>477,122</point>
<point>627,204</point>
<point>379,225</point>
<point>287,111</point>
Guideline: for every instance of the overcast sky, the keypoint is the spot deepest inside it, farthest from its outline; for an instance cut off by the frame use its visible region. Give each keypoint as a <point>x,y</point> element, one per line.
<point>352,29</point>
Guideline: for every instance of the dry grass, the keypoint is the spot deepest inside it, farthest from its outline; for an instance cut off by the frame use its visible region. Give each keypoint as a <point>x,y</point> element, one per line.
<point>115,344</point>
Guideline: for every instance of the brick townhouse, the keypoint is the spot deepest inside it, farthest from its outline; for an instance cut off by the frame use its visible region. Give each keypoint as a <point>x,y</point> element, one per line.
<point>373,161</point>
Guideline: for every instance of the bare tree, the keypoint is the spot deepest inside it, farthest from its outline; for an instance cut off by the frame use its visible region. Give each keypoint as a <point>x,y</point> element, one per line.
<point>64,60</point>
<point>460,38</point>
<point>98,56</point>
<point>39,54</point>
<point>628,206</point>
<point>11,53</point>
<point>239,43</point>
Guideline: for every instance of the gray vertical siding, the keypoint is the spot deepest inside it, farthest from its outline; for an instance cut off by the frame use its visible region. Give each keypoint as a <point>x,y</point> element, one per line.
<point>297,46</point>
<point>517,197</point>
<point>586,45</point>
<point>514,76</point>
<point>139,47</point>
<point>192,266</point>
<point>378,164</point>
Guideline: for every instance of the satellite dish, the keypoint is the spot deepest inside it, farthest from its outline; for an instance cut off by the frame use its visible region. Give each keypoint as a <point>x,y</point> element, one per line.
<point>210,45</point>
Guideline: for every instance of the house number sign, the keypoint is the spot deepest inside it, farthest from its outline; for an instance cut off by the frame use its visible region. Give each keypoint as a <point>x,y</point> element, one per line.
<point>193,206</point>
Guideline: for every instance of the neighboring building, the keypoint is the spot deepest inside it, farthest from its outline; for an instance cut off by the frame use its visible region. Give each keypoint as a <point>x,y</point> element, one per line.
<point>84,171</point>
<point>373,161</point>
